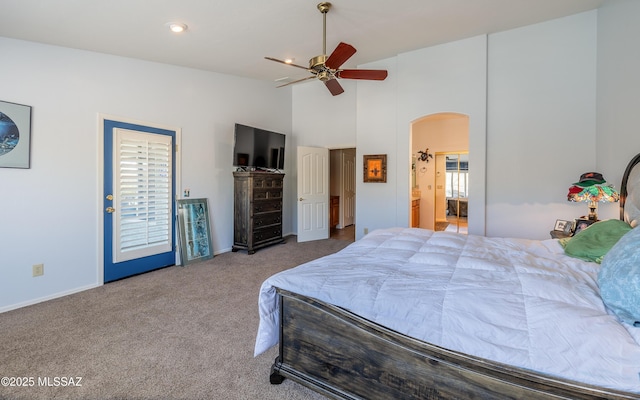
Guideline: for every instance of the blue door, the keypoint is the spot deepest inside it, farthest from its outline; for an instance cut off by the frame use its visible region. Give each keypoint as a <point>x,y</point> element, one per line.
<point>138,199</point>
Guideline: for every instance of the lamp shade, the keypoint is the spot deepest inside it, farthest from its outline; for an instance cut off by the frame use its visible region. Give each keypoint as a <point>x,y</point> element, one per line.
<point>592,188</point>
<point>600,193</point>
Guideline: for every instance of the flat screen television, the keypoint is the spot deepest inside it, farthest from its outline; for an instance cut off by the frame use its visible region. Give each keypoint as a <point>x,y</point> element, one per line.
<point>258,149</point>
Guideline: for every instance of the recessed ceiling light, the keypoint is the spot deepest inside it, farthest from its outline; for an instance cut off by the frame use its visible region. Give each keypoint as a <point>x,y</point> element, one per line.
<point>289,60</point>
<point>177,27</point>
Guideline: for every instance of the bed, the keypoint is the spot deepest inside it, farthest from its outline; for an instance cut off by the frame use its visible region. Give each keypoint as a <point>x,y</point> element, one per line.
<point>415,314</point>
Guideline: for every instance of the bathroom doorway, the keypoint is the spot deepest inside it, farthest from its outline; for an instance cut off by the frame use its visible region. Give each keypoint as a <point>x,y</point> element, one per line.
<point>438,143</point>
<point>452,192</point>
<point>342,190</point>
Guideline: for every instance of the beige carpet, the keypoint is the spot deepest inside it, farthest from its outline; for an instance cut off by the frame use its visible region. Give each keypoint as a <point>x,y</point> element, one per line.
<point>176,333</point>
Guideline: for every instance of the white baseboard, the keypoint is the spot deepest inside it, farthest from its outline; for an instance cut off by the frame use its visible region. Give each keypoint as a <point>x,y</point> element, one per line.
<point>51,297</point>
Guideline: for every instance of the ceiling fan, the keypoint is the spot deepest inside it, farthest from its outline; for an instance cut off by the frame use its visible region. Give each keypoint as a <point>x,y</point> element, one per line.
<point>327,69</point>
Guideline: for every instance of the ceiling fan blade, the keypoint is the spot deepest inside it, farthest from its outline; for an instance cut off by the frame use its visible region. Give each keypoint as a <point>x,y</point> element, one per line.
<point>341,54</point>
<point>334,87</point>
<point>299,80</point>
<point>370,74</point>
<point>286,63</point>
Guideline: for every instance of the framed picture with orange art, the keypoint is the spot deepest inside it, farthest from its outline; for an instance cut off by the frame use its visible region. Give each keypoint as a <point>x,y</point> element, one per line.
<point>375,168</point>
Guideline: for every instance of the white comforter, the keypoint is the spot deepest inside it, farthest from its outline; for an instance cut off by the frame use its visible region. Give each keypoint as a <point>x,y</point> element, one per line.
<point>515,301</point>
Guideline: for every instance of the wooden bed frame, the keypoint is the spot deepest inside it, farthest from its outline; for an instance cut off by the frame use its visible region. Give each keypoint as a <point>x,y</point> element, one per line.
<point>344,356</point>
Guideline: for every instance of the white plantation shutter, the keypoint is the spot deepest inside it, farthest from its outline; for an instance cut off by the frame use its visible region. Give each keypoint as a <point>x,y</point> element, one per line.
<point>142,199</point>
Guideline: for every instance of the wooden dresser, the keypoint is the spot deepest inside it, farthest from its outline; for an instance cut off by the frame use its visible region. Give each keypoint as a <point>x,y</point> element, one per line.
<point>415,213</point>
<point>334,212</point>
<point>257,217</point>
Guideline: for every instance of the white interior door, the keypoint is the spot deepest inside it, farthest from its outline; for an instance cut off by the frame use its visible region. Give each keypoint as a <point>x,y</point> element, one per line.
<point>313,193</point>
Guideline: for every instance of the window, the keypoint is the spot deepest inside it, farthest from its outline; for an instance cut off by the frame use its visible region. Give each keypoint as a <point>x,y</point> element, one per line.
<point>457,175</point>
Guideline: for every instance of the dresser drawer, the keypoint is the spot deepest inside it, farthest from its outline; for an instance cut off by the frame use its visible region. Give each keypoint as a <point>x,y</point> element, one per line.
<point>267,234</point>
<point>267,194</point>
<point>262,220</point>
<point>266,206</point>
<point>267,182</point>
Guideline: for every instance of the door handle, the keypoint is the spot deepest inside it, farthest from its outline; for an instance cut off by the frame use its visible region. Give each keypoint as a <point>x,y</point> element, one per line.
<point>110,210</point>
<point>301,199</point>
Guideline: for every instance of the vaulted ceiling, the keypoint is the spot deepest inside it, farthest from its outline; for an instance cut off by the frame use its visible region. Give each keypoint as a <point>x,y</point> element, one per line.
<point>234,36</point>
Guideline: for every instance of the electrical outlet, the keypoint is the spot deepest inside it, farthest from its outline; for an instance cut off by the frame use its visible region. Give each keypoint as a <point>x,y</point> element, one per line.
<point>366,230</point>
<point>38,270</point>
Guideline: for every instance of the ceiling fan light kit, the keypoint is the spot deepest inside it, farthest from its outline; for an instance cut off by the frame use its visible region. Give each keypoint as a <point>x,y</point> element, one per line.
<point>327,69</point>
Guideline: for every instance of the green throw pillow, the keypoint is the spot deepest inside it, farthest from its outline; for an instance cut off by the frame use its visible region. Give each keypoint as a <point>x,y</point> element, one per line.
<point>592,243</point>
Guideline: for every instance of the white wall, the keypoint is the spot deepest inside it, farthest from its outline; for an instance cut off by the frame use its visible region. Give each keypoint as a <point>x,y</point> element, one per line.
<point>439,133</point>
<point>379,204</point>
<point>618,90</point>
<point>447,78</point>
<point>541,131</point>
<point>49,213</point>
<point>530,95</point>
<point>544,116</point>
<point>321,120</point>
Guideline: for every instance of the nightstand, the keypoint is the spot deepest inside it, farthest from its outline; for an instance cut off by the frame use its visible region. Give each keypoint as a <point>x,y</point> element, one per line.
<point>559,235</point>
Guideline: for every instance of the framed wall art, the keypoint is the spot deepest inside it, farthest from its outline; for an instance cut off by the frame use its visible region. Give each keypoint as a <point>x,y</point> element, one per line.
<point>15,135</point>
<point>375,168</point>
<point>194,233</point>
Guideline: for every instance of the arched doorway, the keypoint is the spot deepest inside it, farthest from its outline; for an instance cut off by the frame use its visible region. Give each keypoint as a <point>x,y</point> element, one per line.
<point>444,138</point>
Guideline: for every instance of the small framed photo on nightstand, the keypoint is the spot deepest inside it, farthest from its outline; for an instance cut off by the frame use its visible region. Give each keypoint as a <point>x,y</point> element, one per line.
<point>563,226</point>
<point>582,224</point>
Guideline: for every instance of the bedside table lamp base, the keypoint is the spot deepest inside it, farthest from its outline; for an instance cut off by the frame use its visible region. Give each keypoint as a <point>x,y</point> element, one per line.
<point>593,210</point>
